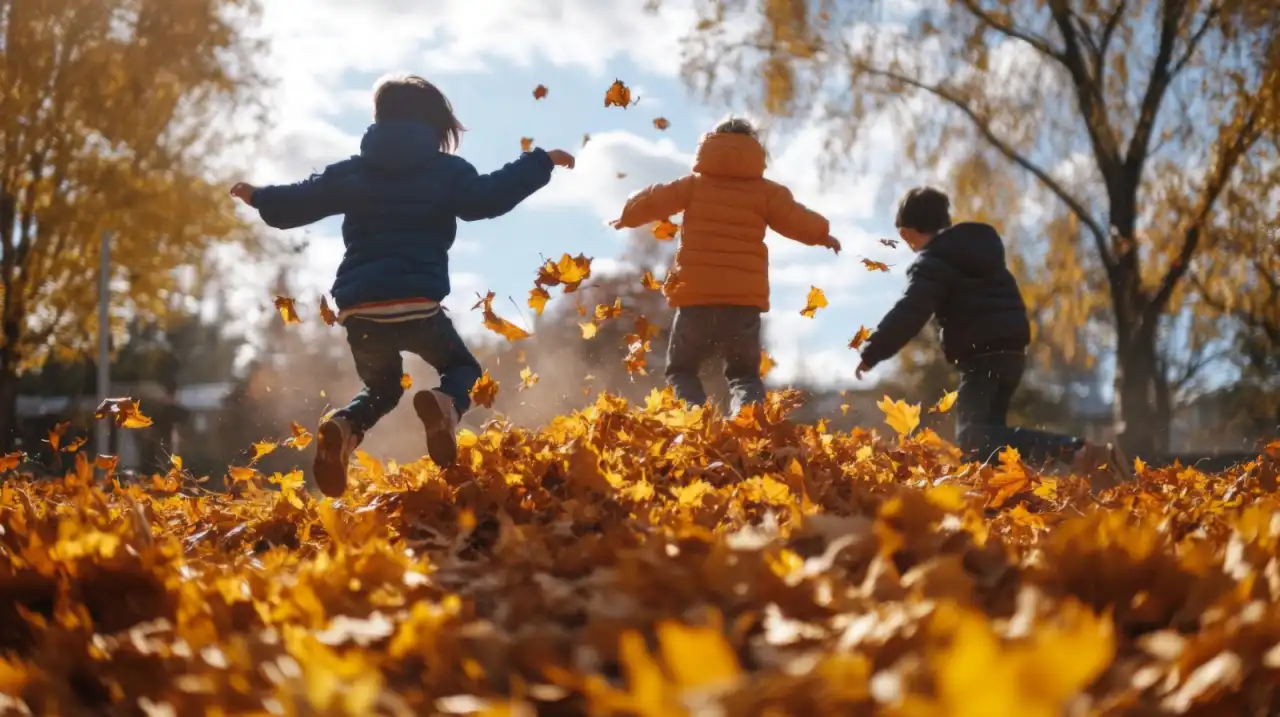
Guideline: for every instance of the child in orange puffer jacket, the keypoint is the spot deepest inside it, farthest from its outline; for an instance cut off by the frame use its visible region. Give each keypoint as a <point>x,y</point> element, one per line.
<point>719,283</point>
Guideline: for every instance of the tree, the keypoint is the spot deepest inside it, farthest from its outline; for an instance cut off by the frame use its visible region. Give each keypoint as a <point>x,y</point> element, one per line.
<point>1138,126</point>
<point>111,119</point>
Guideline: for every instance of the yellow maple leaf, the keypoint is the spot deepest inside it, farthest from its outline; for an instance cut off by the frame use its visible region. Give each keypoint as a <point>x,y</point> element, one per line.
<point>604,312</point>
<point>568,272</point>
<point>815,300</point>
<point>945,403</point>
<point>648,282</point>
<point>589,329</point>
<point>527,378</point>
<point>497,324</point>
<point>484,391</point>
<point>288,309</point>
<point>261,449</point>
<point>538,298</point>
<point>1009,479</point>
<point>300,439</point>
<point>901,416</point>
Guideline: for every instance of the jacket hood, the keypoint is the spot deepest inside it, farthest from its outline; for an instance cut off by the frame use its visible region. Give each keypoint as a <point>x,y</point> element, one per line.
<point>730,155</point>
<point>973,247</point>
<point>399,145</point>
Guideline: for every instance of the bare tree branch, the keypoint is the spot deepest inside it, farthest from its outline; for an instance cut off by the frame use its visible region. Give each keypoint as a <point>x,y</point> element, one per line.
<point>1158,82</point>
<point>984,128</point>
<point>1092,105</point>
<point>1008,29</point>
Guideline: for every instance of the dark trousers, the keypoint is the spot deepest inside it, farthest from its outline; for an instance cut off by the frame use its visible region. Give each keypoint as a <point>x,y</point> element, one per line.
<point>376,349</point>
<point>987,385</point>
<point>701,333</point>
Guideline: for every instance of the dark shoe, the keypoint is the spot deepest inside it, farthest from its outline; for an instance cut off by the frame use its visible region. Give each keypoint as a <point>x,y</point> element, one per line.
<point>335,441</point>
<point>440,420</point>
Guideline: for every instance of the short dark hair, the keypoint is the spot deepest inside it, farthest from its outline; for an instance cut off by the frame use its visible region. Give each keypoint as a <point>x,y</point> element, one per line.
<point>737,125</point>
<point>924,209</point>
<point>410,97</point>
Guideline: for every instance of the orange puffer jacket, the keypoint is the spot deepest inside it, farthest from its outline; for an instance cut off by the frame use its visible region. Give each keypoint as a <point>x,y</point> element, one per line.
<point>727,205</point>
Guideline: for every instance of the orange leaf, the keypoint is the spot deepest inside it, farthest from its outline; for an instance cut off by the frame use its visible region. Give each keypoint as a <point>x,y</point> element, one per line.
<point>288,310</point>
<point>75,445</point>
<point>875,265</point>
<point>665,230</point>
<point>648,282</point>
<point>326,314</point>
<point>241,474</point>
<point>589,329</point>
<point>1009,480</point>
<point>661,123</point>
<point>605,312</point>
<point>11,461</point>
<point>766,363</point>
<point>527,378</point>
<point>55,433</point>
<point>945,403</point>
<point>618,95</point>
<point>526,144</point>
<point>124,411</point>
<point>260,449</point>
<point>814,301</point>
<point>538,298</point>
<point>539,92</point>
<point>859,338</point>
<point>300,439</point>
<point>484,391</point>
<point>406,381</point>
<point>497,324</point>
<point>568,272</point>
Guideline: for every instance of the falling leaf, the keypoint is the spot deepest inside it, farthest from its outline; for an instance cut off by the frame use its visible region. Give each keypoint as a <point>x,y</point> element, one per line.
<point>106,464</point>
<point>527,378</point>
<point>661,123</point>
<point>1010,478</point>
<point>406,381</point>
<point>875,265</point>
<point>618,95</point>
<point>638,345</point>
<point>945,403</point>
<point>497,324</point>
<point>11,461</point>
<point>242,474</point>
<point>589,329</point>
<point>844,409</point>
<point>288,310</point>
<point>75,445</point>
<point>621,175</point>
<point>526,144</point>
<point>538,298</point>
<point>648,282</point>
<point>539,92</point>
<point>665,230</point>
<point>124,411</point>
<point>860,338</point>
<point>891,243</point>
<point>815,300</point>
<point>55,434</point>
<point>260,449</point>
<point>326,314</point>
<point>901,417</point>
<point>568,272</point>
<point>484,391</point>
<point>767,363</point>
<point>604,312</point>
<point>585,138</point>
<point>300,439</point>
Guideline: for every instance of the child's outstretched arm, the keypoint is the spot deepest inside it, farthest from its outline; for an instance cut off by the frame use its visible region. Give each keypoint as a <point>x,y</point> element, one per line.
<point>795,221</point>
<point>929,280</point>
<point>289,206</point>
<point>486,196</point>
<point>655,202</point>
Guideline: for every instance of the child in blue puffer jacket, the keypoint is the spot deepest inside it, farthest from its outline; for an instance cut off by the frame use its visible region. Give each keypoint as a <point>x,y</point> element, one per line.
<point>401,199</point>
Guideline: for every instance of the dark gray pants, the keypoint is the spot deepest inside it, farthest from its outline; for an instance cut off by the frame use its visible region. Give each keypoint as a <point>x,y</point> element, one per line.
<point>987,385</point>
<point>701,333</point>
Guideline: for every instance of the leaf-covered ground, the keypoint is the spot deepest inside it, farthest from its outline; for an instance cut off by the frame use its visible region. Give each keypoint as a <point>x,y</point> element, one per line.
<point>645,560</point>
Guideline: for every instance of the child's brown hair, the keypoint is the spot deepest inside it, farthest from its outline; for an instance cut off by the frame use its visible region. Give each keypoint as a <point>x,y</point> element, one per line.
<point>737,125</point>
<point>925,209</point>
<point>410,97</point>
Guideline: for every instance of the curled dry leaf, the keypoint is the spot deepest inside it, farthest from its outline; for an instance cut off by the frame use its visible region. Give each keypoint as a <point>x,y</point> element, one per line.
<point>123,411</point>
<point>618,95</point>
<point>288,309</point>
<point>648,282</point>
<point>859,338</point>
<point>665,230</point>
<point>527,378</point>
<point>484,391</point>
<point>326,313</point>
<point>661,123</point>
<point>497,324</point>
<point>539,92</point>
<point>815,300</point>
<point>767,363</point>
<point>875,265</point>
<point>945,403</point>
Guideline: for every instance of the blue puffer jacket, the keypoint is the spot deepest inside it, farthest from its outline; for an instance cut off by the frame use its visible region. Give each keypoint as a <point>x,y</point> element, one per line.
<point>401,198</point>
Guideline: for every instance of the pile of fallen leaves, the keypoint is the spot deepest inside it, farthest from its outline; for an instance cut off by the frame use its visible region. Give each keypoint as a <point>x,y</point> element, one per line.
<point>649,560</point>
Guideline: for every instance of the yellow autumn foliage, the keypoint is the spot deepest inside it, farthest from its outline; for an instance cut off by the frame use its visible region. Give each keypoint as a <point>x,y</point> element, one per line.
<point>648,560</point>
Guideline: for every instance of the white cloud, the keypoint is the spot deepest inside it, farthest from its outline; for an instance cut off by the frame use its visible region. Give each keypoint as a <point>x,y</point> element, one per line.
<point>594,183</point>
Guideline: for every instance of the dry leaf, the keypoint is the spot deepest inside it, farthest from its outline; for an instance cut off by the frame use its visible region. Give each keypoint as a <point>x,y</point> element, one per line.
<point>526,144</point>
<point>875,265</point>
<point>766,363</point>
<point>568,272</point>
<point>326,314</point>
<point>860,338</point>
<point>945,403</point>
<point>406,381</point>
<point>648,282</point>
<point>891,243</point>
<point>497,324</point>
<point>288,310</point>
<point>527,378</point>
<point>484,391</point>
<point>539,92</point>
<point>538,298</point>
<point>661,123</point>
<point>901,417</point>
<point>815,300</point>
<point>665,230</point>
<point>124,411</point>
<point>618,95</point>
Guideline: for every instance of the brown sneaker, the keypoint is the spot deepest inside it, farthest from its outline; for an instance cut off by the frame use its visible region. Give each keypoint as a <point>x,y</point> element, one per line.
<point>335,441</point>
<point>440,419</point>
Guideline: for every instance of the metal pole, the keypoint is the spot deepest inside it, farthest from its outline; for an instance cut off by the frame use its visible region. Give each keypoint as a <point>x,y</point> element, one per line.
<point>104,343</point>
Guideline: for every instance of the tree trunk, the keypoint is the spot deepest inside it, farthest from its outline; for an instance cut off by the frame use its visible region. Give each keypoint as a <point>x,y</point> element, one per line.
<point>1141,426</point>
<point>9,387</point>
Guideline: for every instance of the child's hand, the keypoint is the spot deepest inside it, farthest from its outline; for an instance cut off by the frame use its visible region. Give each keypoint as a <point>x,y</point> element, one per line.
<point>832,243</point>
<point>862,368</point>
<point>560,158</point>
<point>243,192</point>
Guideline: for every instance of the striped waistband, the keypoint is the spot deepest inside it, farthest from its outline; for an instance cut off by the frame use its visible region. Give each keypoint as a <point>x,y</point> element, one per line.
<point>390,312</point>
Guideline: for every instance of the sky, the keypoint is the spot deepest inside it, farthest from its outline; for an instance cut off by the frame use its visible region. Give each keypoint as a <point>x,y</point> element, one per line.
<point>487,58</point>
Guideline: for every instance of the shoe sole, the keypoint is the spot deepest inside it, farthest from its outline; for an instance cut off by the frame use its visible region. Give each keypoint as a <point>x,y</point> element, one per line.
<point>442,446</point>
<point>329,470</point>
